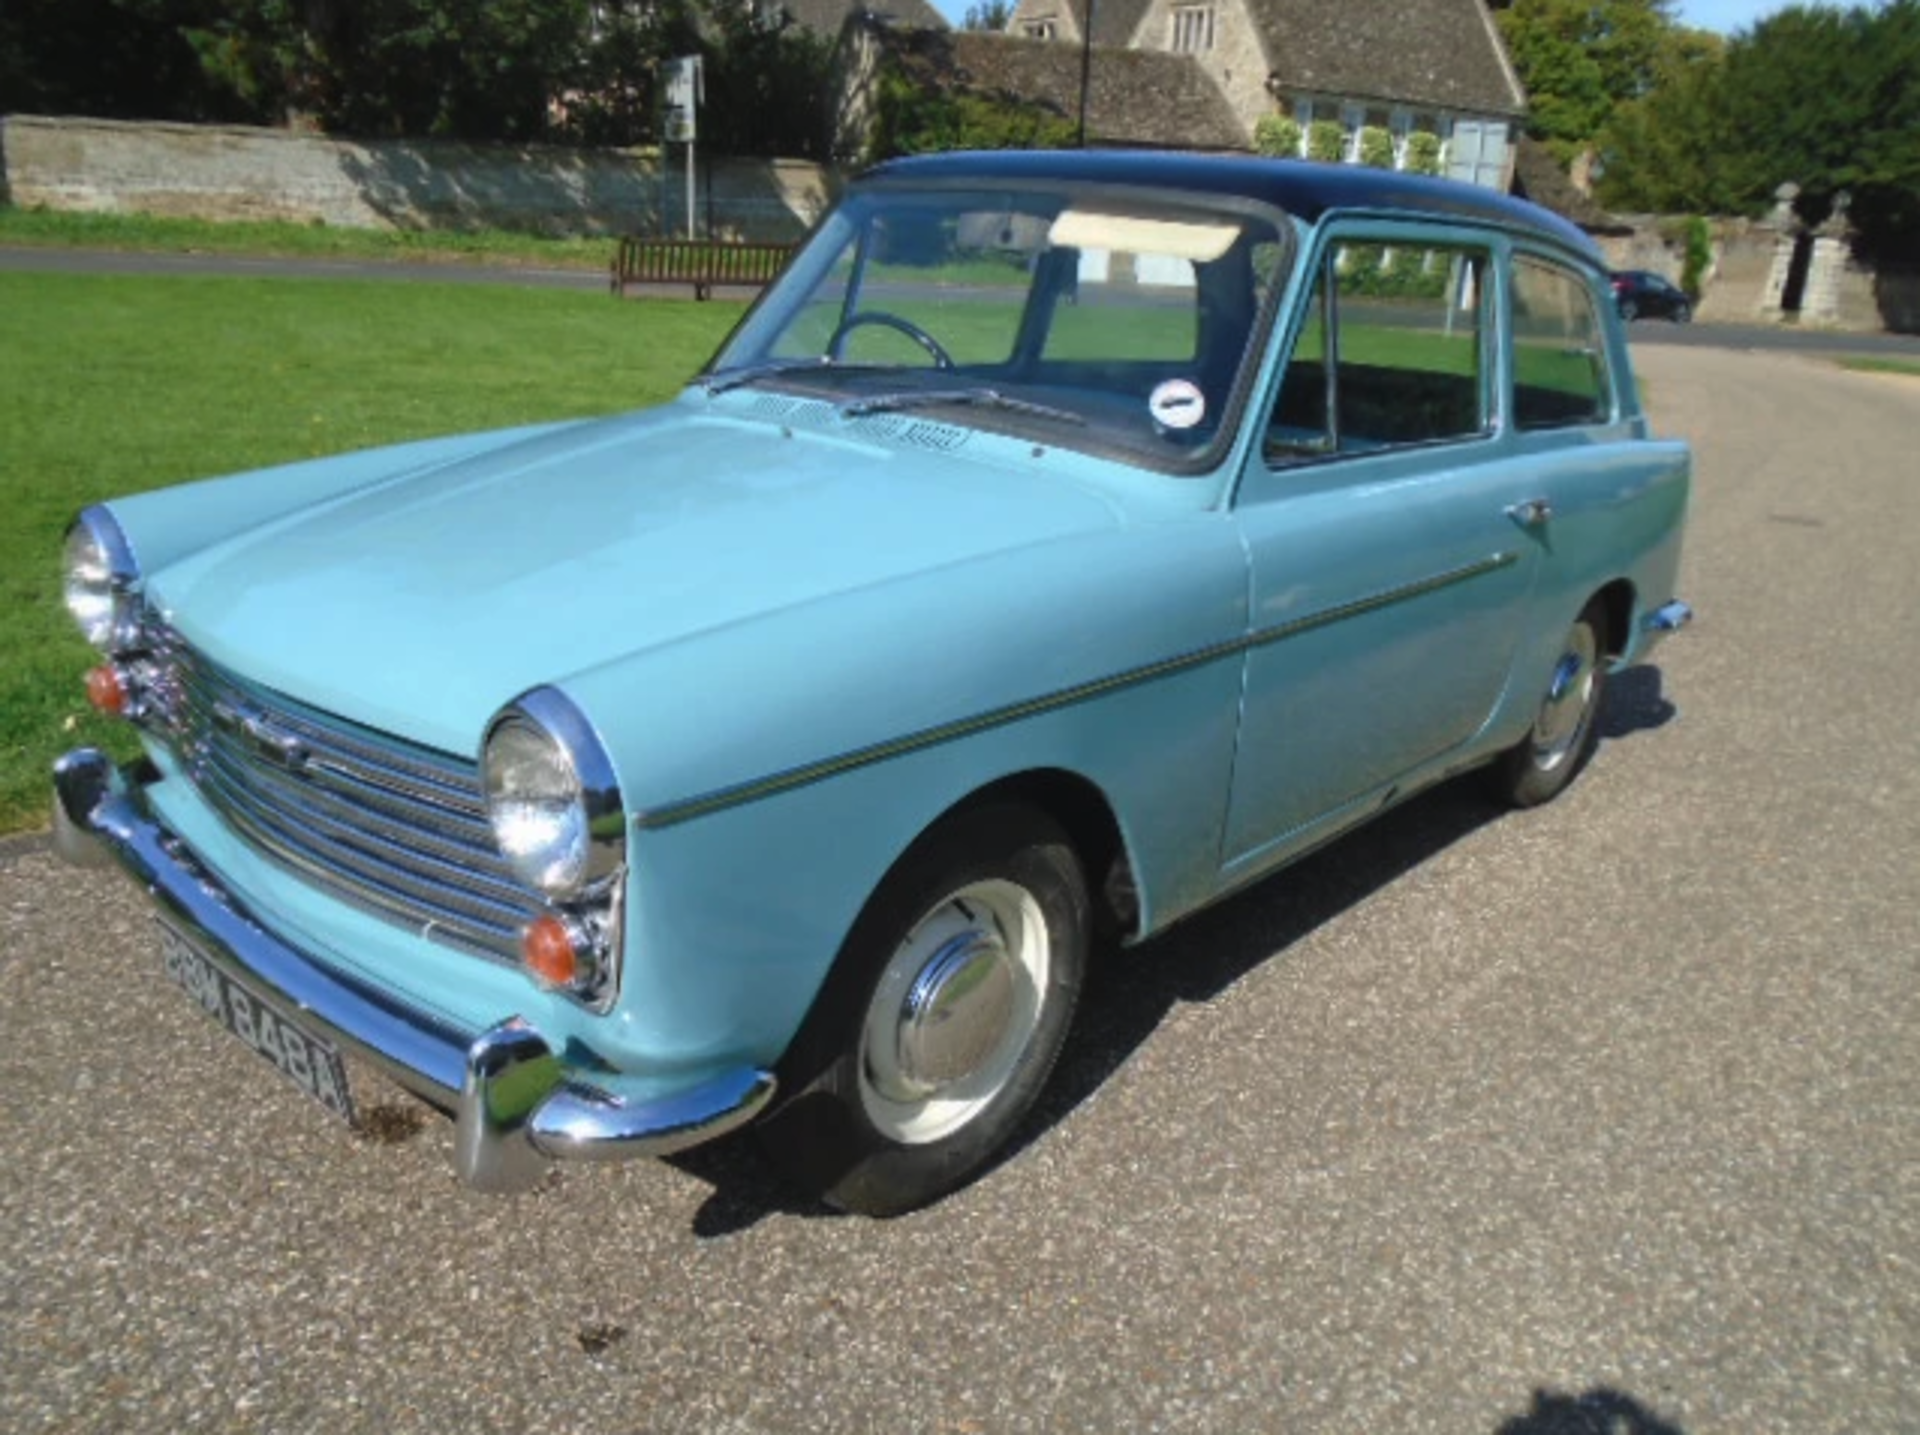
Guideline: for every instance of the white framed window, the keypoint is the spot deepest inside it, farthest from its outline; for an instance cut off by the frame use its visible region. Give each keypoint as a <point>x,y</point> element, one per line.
<point>1477,152</point>
<point>1038,29</point>
<point>1401,125</point>
<point>1192,29</point>
<point>1353,119</point>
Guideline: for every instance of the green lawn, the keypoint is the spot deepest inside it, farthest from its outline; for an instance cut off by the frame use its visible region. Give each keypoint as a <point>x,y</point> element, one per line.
<point>112,384</point>
<point>42,228</point>
<point>1883,366</point>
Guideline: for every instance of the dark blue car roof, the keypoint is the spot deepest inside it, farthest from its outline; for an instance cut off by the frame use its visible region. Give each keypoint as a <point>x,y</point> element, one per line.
<point>1303,189</point>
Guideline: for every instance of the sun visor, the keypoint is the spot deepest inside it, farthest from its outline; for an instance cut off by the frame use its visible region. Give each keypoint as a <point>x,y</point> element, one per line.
<point>1194,241</point>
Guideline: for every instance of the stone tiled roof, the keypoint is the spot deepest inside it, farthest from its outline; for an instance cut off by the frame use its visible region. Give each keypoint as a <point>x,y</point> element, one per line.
<point>1135,97</point>
<point>826,17</point>
<point>1443,53</point>
<point>1114,21</point>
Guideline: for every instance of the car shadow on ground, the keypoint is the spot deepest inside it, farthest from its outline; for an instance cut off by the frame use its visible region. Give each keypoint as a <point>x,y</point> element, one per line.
<point>1131,991</point>
<point>1599,1411</point>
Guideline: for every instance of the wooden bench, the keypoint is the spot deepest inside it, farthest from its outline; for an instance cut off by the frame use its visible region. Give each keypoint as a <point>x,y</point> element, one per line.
<point>699,262</point>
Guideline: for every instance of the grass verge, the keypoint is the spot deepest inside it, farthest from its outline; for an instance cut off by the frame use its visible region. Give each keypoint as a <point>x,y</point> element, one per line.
<point>144,233</point>
<point>1910,367</point>
<point>111,384</point>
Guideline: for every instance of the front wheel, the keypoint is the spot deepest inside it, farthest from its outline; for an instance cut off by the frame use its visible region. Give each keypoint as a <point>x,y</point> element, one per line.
<point>1566,727</point>
<point>942,1018</point>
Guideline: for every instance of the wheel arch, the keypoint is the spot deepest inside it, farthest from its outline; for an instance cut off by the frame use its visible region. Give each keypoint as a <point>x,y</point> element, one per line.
<point>1093,827</point>
<point>1617,600</point>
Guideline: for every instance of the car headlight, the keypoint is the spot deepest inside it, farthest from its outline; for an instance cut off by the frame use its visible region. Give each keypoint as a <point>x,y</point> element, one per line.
<point>552,797</point>
<point>100,579</point>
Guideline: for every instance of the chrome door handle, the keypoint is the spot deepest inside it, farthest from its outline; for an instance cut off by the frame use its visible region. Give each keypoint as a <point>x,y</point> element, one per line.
<point>1531,512</point>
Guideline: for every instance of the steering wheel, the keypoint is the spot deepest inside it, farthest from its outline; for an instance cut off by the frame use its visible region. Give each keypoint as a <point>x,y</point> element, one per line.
<point>941,358</point>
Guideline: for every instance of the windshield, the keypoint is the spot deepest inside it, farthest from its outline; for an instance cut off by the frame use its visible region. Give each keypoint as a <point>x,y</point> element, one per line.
<point>1110,324</point>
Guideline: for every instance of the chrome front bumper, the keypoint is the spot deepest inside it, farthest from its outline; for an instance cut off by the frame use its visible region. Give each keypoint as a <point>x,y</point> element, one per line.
<point>516,1106</point>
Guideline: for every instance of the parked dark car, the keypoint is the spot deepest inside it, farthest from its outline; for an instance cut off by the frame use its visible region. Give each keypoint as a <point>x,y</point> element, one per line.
<point>1639,294</point>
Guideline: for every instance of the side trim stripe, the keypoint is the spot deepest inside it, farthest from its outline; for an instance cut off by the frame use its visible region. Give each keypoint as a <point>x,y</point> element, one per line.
<point>718,800</point>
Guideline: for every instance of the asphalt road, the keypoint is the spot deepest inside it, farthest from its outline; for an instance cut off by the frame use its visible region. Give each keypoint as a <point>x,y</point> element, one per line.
<point>1475,1122</point>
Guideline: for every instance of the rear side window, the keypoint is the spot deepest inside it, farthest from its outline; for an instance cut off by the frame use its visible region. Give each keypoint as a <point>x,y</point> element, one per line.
<point>1392,353</point>
<point>1560,373</point>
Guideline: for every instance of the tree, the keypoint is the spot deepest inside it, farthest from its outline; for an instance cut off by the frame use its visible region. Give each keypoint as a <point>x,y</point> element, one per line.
<point>1580,60</point>
<point>121,59</point>
<point>511,70</point>
<point>994,15</point>
<point>613,98</point>
<point>1667,151</point>
<point>1824,98</point>
<point>471,69</point>
<point>767,85</point>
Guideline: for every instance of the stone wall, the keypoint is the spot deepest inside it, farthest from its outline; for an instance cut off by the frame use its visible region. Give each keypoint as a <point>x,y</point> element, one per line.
<point>234,172</point>
<point>1897,295</point>
<point>1751,260</point>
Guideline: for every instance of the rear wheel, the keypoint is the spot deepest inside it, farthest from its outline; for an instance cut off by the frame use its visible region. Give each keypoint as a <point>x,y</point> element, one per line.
<point>943,1016</point>
<point>1629,310</point>
<point>1566,727</point>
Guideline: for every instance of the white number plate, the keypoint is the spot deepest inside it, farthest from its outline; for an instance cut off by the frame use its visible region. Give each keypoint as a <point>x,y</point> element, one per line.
<point>310,1063</point>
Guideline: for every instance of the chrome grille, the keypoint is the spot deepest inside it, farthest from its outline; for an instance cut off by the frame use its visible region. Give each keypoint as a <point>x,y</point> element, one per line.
<point>398,830</point>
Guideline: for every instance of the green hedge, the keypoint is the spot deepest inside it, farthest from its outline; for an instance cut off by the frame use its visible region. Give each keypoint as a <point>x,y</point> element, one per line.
<point>1368,273</point>
<point>1277,135</point>
<point>1326,141</point>
<point>1423,152</point>
<point>1699,257</point>
<point>1376,148</point>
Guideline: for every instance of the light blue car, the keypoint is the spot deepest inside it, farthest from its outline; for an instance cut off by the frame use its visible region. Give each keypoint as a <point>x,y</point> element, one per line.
<point>1064,541</point>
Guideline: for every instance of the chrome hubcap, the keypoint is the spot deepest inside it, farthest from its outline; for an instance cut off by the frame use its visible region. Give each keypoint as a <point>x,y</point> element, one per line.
<point>1569,702</point>
<point>954,1012</point>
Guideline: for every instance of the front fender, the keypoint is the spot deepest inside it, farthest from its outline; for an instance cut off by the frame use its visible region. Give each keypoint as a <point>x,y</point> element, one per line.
<point>774,772</point>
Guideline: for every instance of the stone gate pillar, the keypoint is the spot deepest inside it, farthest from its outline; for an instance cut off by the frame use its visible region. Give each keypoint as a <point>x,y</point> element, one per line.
<point>1827,271</point>
<point>1786,226</point>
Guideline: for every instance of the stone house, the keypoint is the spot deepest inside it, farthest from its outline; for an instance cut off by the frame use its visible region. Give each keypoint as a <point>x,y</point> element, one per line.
<point>1142,98</point>
<point>828,17</point>
<point>1403,66</point>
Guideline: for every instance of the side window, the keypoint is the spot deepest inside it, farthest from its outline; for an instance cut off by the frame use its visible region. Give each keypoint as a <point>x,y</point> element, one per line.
<point>1560,374</point>
<point>1391,353</point>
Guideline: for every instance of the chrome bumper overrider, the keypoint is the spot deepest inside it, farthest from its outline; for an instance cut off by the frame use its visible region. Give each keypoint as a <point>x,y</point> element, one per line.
<point>515,1104</point>
<point>1664,621</point>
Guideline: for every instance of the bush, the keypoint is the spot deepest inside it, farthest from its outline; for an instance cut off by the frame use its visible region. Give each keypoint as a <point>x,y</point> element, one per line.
<point>1699,257</point>
<point>1423,152</point>
<point>912,119</point>
<point>1277,135</point>
<point>1376,148</point>
<point>1373,271</point>
<point>1326,141</point>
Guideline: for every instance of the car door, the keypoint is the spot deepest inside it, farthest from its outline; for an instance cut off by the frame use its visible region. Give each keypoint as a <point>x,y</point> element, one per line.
<point>1387,539</point>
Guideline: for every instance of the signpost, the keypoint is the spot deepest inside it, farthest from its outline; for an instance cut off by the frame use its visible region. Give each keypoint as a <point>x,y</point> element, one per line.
<point>686,91</point>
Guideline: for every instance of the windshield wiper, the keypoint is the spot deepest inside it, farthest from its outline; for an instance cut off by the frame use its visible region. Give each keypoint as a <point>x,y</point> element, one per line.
<point>985,397</point>
<point>733,378</point>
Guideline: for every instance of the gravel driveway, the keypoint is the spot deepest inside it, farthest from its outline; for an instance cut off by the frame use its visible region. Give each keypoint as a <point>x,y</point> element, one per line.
<point>1475,1122</point>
